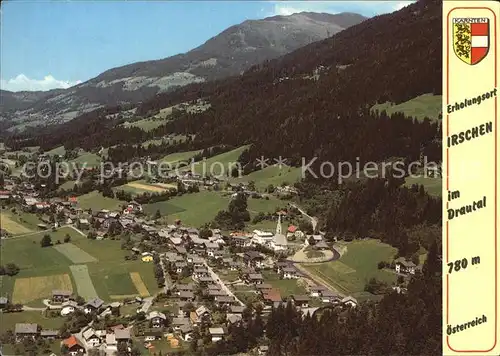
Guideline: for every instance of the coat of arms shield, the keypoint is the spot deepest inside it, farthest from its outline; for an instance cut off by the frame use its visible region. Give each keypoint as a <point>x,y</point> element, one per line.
<point>471,39</point>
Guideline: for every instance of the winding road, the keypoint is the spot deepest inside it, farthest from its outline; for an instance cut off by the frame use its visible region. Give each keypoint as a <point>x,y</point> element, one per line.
<point>314,220</point>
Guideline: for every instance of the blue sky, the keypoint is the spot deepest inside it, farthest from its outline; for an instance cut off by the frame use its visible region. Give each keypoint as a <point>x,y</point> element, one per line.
<point>56,44</point>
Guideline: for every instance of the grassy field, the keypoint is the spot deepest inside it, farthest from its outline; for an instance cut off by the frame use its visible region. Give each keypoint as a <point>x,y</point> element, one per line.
<point>141,187</point>
<point>57,151</point>
<point>13,227</point>
<point>352,271</point>
<point>9,320</point>
<point>68,185</point>
<point>426,105</point>
<point>147,124</point>
<point>87,160</point>
<point>19,222</point>
<point>220,165</point>
<point>74,253</point>
<point>84,285</point>
<point>193,209</point>
<point>272,175</point>
<point>109,275</point>
<point>174,158</point>
<point>286,287</point>
<point>95,201</point>
<point>433,186</point>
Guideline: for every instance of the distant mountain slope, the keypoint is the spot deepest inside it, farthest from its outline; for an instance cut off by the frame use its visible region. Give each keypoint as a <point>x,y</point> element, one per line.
<point>229,53</point>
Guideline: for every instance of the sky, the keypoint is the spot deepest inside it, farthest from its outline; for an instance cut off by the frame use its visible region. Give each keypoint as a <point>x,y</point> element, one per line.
<point>56,44</point>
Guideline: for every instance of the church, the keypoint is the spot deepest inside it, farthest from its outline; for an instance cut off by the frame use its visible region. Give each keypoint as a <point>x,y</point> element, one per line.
<point>277,242</point>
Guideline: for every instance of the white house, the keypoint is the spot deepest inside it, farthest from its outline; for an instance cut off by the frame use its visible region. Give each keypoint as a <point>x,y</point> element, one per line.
<point>217,334</point>
<point>404,266</point>
<point>91,338</point>
<point>68,307</point>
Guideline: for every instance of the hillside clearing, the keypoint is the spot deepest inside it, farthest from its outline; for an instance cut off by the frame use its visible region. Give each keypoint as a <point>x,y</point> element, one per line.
<point>32,288</point>
<point>426,105</point>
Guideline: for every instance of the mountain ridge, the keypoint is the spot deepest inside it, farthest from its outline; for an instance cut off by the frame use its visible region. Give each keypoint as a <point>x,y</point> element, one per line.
<point>231,52</point>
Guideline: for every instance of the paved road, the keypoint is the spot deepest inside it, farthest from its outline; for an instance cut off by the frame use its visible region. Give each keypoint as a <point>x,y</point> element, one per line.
<point>314,220</point>
<point>223,286</point>
<point>49,230</point>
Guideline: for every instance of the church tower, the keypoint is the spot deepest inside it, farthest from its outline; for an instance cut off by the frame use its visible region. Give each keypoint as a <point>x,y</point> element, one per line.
<point>278,226</point>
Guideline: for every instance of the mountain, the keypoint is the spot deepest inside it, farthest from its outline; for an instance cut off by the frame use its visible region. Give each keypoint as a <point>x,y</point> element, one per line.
<point>22,100</point>
<point>229,53</point>
<point>313,102</point>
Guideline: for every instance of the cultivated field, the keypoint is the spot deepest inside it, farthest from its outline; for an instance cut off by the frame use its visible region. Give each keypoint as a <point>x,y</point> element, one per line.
<point>13,227</point>
<point>426,105</point>
<point>84,284</point>
<point>352,271</point>
<point>74,253</point>
<point>139,284</point>
<point>32,288</point>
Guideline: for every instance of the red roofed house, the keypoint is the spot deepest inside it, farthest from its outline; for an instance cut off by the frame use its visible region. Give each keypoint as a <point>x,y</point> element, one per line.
<point>74,348</point>
<point>294,231</point>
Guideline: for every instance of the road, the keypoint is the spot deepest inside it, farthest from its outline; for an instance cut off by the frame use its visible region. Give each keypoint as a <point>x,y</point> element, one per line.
<point>314,220</point>
<point>47,230</point>
<point>219,281</point>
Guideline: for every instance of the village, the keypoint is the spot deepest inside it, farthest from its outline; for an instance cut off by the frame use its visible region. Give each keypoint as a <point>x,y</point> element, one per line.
<point>187,284</point>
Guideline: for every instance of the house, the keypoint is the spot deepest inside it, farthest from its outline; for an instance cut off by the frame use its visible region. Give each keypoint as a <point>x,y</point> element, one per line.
<point>293,231</point>
<point>178,322</point>
<point>181,250</point>
<point>49,334</point>
<point>264,288</point>
<point>224,300</point>
<point>93,305</point>
<point>60,296</point>
<point>272,297</point>
<point>329,297</point>
<point>25,331</point>
<point>152,335</point>
<point>111,342</point>
<point>157,319</point>
<point>403,266</point>
<point>4,301</point>
<point>199,314</point>
<point>186,296</point>
<point>290,272</point>
<point>262,350</point>
<point>186,331</point>
<point>217,334</point>
<point>211,247</point>
<point>73,346</point>
<point>237,309</point>
<point>184,288</point>
<point>254,278</point>
<point>253,259</point>
<point>199,272</point>
<point>207,280</point>
<point>68,307</point>
<point>83,224</point>
<point>316,291</point>
<point>147,257</point>
<point>315,238</point>
<point>179,266</point>
<point>233,318</point>
<point>91,338</point>
<point>349,301</point>
<point>301,301</point>
<point>122,335</point>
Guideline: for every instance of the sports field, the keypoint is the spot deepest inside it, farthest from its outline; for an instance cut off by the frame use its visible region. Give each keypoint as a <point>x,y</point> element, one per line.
<point>74,253</point>
<point>84,285</point>
<point>353,270</point>
<point>32,288</point>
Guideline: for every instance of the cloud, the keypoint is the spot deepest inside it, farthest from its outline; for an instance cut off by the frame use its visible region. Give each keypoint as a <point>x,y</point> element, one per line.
<point>366,8</point>
<point>22,82</point>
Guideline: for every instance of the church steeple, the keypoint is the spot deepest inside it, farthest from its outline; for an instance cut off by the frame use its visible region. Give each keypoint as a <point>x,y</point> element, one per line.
<point>278,226</point>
